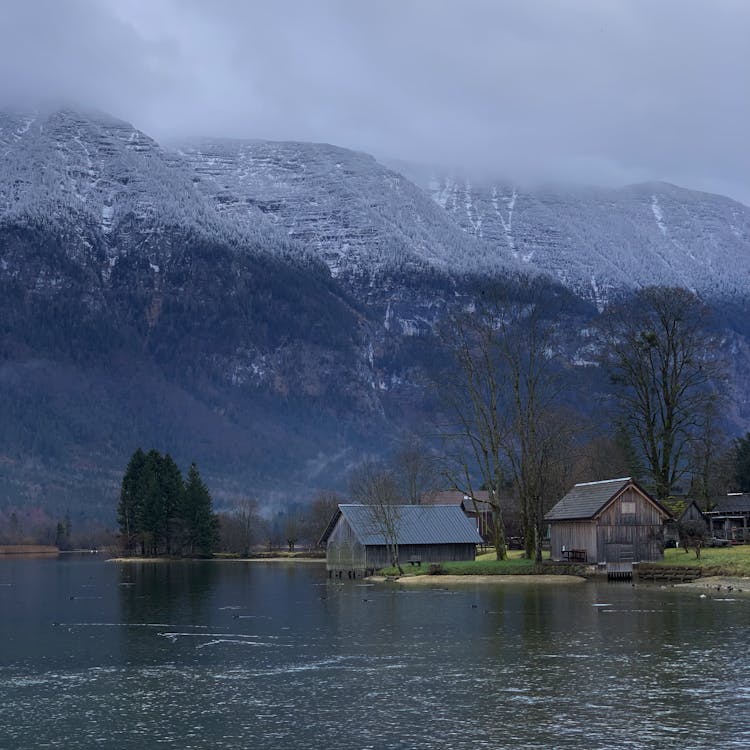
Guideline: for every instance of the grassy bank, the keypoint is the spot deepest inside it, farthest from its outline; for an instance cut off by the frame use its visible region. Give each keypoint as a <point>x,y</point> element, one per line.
<point>487,565</point>
<point>714,561</point>
<point>276,555</point>
<point>28,549</point>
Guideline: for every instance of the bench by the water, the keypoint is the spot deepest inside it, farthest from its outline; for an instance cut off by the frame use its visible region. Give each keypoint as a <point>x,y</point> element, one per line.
<point>415,561</point>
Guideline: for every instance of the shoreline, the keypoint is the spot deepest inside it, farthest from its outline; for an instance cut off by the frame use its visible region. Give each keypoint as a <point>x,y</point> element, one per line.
<point>565,580</point>
<point>215,559</point>
<point>732,584</point>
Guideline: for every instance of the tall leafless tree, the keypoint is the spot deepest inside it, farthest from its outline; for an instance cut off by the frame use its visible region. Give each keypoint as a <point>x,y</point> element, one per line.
<point>667,373</point>
<point>415,469</point>
<point>320,512</point>
<point>505,401</point>
<point>473,393</point>
<point>375,487</point>
<point>538,436</point>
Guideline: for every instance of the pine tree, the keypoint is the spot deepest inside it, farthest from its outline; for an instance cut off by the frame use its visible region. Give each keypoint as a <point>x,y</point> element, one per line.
<point>131,501</point>
<point>199,521</point>
<point>151,504</point>
<point>172,491</point>
<point>151,509</point>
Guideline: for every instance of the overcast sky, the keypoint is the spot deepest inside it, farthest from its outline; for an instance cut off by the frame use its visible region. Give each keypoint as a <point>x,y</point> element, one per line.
<point>601,91</point>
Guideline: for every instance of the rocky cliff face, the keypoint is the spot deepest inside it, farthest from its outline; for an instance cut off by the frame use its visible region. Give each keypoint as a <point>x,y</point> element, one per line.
<point>364,221</point>
<point>600,241</point>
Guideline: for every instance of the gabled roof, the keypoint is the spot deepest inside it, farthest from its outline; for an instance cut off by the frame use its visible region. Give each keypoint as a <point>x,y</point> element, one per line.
<point>415,524</point>
<point>455,497</point>
<point>587,499</point>
<point>690,508</point>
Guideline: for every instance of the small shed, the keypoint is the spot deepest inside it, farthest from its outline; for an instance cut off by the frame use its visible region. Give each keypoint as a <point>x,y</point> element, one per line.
<point>357,539</point>
<point>691,513</point>
<point>610,521</point>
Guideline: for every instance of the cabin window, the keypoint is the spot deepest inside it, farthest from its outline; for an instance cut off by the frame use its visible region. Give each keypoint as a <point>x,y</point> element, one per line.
<point>627,508</point>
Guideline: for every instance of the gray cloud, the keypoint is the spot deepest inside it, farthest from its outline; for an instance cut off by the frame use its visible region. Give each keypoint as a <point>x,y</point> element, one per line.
<point>607,91</point>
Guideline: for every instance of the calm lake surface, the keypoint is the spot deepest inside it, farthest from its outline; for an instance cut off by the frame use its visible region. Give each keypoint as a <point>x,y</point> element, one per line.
<point>271,655</point>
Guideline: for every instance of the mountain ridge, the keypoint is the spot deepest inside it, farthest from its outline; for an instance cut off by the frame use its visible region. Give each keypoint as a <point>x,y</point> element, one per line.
<point>250,304</point>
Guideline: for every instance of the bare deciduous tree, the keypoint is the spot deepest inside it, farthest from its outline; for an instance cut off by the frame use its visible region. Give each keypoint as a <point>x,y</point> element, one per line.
<point>473,395</point>
<point>666,371</point>
<point>415,469</point>
<point>537,436</point>
<point>320,512</point>
<point>241,527</point>
<point>505,400</point>
<point>375,487</point>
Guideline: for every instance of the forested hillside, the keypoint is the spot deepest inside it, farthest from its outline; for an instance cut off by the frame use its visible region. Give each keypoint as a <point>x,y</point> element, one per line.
<point>274,312</point>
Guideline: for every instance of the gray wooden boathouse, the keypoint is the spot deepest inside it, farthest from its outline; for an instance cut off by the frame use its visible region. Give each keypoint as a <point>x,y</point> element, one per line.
<point>356,542</point>
<point>612,521</point>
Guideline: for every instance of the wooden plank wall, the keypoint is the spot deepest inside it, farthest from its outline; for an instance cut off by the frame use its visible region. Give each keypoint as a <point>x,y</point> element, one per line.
<point>642,531</point>
<point>573,535</point>
<point>343,551</point>
<point>379,557</point>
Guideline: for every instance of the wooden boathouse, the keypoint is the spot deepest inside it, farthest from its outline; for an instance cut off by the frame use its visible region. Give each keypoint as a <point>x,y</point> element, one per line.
<point>356,539</point>
<point>610,522</point>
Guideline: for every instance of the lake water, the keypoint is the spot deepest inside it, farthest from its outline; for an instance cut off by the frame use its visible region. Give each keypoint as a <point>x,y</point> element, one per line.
<point>272,655</point>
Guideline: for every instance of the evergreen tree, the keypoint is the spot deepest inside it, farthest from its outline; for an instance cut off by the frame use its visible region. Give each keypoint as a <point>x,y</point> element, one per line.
<point>200,524</point>
<point>160,512</point>
<point>131,501</point>
<point>151,511</point>
<point>172,492</point>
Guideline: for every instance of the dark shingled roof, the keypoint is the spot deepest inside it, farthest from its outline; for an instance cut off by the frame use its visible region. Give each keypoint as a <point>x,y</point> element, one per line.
<point>585,500</point>
<point>455,497</point>
<point>734,503</point>
<point>417,524</point>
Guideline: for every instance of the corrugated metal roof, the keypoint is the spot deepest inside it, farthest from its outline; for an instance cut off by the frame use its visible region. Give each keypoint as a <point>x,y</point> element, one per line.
<point>586,499</point>
<point>414,524</point>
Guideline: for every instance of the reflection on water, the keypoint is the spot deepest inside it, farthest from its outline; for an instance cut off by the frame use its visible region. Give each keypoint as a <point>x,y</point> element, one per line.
<point>268,655</point>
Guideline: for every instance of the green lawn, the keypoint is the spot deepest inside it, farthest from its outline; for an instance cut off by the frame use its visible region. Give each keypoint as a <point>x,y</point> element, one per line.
<point>726,561</point>
<point>723,561</point>
<point>484,565</point>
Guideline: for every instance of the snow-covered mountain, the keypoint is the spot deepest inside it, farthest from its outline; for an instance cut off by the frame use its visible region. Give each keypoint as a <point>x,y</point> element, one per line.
<point>117,189</point>
<point>362,219</point>
<point>111,186</point>
<point>597,240</point>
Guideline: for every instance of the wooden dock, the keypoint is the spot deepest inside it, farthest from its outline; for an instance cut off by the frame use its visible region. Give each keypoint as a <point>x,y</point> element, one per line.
<point>620,571</point>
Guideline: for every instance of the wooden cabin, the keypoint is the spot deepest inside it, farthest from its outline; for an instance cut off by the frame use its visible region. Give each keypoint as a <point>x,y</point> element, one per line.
<point>356,538</point>
<point>729,517</point>
<point>477,507</point>
<point>612,521</point>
